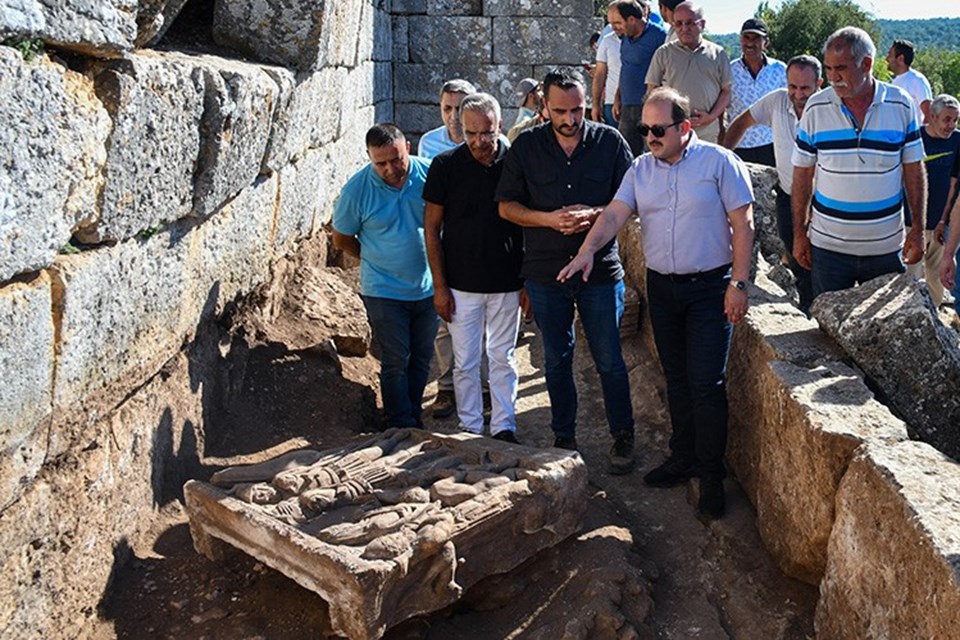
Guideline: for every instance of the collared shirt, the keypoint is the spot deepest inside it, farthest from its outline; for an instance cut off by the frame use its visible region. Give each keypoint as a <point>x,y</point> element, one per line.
<point>775,110</point>
<point>482,252</point>
<point>683,206</point>
<point>388,223</point>
<point>747,90</point>
<point>699,74</point>
<point>608,52</point>
<point>858,201</point>
<point>435,142</point>
<point>539,175</point>
<point>914,83</point>
<point>635,56</point>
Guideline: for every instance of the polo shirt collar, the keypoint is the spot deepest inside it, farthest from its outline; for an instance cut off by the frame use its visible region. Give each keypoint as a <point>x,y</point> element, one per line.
<point>879,93</point>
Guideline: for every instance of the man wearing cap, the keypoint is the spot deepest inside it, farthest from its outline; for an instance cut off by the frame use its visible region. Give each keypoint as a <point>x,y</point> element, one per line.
<point>697,68</point>
<point>639,38</point>
<point>754,76</point>
<point>450,134</point>
<point>528,98</point>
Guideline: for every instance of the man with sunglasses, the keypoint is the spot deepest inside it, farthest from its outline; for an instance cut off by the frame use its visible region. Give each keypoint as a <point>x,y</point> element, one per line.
<point>695,204</point>
<point>556,179</point>
<point>697,68</point>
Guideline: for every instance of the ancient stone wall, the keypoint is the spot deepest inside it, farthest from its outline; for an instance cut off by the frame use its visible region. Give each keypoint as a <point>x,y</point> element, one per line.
<point>143,191</point>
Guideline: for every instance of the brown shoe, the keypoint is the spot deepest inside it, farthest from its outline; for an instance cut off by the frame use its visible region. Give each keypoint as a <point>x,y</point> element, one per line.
<point>444,405</point>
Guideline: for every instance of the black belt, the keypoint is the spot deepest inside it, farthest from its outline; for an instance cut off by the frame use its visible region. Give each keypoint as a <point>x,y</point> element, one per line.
<point>692,277</point>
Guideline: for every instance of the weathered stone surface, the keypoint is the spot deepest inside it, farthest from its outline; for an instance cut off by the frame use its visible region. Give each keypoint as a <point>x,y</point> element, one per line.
<point>401,41</point>
<point>408,7</point>
<point>26,359</point>
<point>78,520</point>
<point>90,26</point>
<point>556,40</point>
<point>890,327</point>
<point>764,179</point>
<point>302,188</point>
<point>419,83</point>
<point>375,41</point>
<point>893,567</point>
<point>156,104</point>
<point>154,17</point>
<point>53,141</point>
<point>547,8</point>
<point>454,7</point>
<point>416,119</point>
<point>435,510</point>
<point>450,40</point>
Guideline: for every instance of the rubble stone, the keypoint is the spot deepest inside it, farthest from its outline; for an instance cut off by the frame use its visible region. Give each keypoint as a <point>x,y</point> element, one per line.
<point>89,26</point>
<point>154,17</point>
<point>764,179</point>
<point>892,570</point>
<point>394,526</point>
<point>890,328</point>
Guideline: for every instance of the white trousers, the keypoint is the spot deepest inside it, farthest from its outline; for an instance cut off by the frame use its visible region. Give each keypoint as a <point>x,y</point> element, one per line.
<point>491,319</point>
<point>928,269</point>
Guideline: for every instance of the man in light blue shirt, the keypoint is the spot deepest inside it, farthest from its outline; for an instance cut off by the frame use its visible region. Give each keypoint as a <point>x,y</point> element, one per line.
<point>450,134</point>
<point>694,200</point>
<point>379,218</point>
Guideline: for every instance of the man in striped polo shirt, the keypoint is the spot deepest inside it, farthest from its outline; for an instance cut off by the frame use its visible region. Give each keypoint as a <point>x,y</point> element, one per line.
<point>860,139</point>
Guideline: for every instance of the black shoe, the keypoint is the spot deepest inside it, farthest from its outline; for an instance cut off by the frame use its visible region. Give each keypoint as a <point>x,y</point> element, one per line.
<point>506,436</point>
<point>669,474</point>
<point>568,443</point>
<point>444,405</point>
<point>712,499</point>
<point>621,459</point>
<point>487,407</point>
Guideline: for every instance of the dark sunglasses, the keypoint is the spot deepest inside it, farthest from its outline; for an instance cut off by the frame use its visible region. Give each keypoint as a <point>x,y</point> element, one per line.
<point>659,130</point>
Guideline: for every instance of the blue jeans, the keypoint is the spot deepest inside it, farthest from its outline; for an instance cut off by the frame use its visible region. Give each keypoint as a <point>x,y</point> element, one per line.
<point>692,336</point>
<point>608,115</point>
<point>600,307</point>
<point>785,231</point>
<point>404,331</point>
<point>834,271</point>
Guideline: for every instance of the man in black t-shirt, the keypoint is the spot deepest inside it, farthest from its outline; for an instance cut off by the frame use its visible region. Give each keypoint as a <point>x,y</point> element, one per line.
<point>475,259</point>
<point>556,180</point>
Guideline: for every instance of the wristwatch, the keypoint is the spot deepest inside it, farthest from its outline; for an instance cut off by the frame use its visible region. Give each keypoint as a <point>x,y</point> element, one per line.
<point>739,285</point>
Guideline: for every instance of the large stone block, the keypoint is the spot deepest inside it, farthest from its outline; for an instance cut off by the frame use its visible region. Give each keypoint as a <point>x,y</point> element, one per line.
<point>893,568</point>
<point>154,17</point>
<point>293,33</point>
<point>375,39</point>
<point>393,526</point>
<point>408,7</point>
<point>156,104</point>
<point>301,188</point>
<point>450,40</point>
<point>454,7</point>
<point>26,359</point>
<point>90,26</point>
<point>419,83</point>
<point>415,119</point>
<point>764,180</point>
<point>546,8</point>
<point>890,327</point>
<point>557,41</point>
<point>53,141</point>
<point>401,40</point>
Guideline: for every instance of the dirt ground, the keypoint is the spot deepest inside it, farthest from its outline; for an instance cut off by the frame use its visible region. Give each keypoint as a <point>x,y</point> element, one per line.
<point>707,580</point>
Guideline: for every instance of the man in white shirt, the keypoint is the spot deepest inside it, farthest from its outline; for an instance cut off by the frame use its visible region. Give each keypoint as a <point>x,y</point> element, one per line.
<point>606,78</point>
<point>899,59</point>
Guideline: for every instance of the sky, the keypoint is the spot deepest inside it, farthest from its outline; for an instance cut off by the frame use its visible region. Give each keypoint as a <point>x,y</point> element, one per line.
<point>726,16</point>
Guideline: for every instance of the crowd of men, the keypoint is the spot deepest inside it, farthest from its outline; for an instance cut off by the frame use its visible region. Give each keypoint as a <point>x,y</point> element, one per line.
<point>479,230</point>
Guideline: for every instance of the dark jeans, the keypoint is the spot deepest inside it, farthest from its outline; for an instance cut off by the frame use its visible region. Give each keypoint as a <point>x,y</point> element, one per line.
<point>692,336</point>
<point>404,331</point>
<point>600,307</point>
<point>758,155</point>
<point>834,271</point>
<point>629,120</point>
<point>608,116</point>
<point>785,231</point>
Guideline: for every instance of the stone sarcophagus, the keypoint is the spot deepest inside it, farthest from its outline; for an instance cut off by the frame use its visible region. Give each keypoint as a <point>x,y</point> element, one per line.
<point>394,526</point>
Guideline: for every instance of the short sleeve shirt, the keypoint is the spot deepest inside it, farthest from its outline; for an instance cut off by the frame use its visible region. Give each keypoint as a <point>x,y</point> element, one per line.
<point>775,110</point>
<point>683,206</point>
<point>435,142</point>
<point>482,252</point>
<point>747,90</point>
<point>914,83</point>
<point>635,56</point>
<point>608,52</point>
<point>942,160</point>
<point>388,223</point>
<point>539,175</point>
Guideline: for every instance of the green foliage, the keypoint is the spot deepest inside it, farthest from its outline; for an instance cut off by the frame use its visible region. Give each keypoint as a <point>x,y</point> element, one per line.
<point>802,26</point>
<point>942,68</point>
<point>931,33</point>
<point>29,48</point>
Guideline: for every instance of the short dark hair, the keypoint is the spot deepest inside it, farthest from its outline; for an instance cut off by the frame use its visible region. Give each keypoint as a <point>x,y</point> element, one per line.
<point>670,4</point>
<point>906,49</point>
<point>679,103</point>
<point>594,38</point>
<point>563,79</point>
<point>380,135</point>
<point>630,9</point>
<point>805,60</point>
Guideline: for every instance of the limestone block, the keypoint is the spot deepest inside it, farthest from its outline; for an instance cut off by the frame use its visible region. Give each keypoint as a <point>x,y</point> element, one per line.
<point>26,359</point>
<point>408,7</point>
<point>53,158</point>
<point>394,526</point>
<point>302,187</point>
<point>293,33</point>
<point>279,145</point>
<point>454,7</point>
<point>154,17</point>
<point>90,26</point>
<point>239,103</point>
<point>892,569</point>
<point>381,79</point>
<point>500,80</point>
<point>401,41</point>
<point>419,83</point>
<point>450,39</point>
<point>375,41</point>
<point>548,8</point>
<point>765,210</point>
<point>556,40</point>
<point>156,104</point>
<point>415,119</point>
<point>890,328</point>
<point>383,111</point>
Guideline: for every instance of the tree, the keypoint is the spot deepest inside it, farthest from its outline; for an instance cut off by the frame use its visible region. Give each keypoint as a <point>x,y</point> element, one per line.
<point>802,26</point>
<point>942,68</point>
